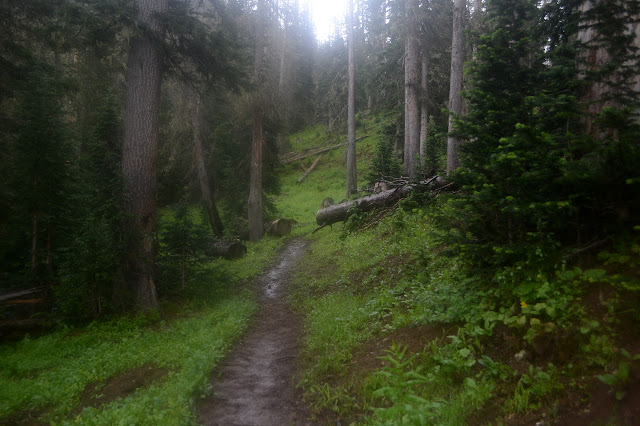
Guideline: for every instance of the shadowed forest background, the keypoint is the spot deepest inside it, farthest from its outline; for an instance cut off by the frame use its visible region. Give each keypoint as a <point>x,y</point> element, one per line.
<point>134,135</point>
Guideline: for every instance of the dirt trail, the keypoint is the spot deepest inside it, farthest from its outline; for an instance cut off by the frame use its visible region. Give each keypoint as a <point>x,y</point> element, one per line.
<point>255,385</point>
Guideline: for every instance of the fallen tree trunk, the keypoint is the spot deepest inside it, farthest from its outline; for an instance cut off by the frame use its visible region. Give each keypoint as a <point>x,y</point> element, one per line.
<point>312,168</point>
<point>280,227</point>
<point>340,212</point>
<point>307,154</point>
<point>388,198</point>
<point>227,249</point>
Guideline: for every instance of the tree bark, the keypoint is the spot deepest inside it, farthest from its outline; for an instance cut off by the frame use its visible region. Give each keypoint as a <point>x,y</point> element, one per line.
<point>424,105</point>
<point>456,81</point>
<point>340,212</point>
<point>144,76</point>
<point>411,90</point>
<point>311,169</point>
<point>255,205</point>
<point>608,89</point>
<point>203,176</point>
<point>352,184</point>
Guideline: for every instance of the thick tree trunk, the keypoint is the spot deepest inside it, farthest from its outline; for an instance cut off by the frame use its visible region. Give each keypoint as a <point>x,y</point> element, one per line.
<point>607,89</point>
<point>352,184</point>
<point>255,205</point>
<point>412,91</point>
<point>139,150</point>
<point>280,227</point>
<point>256,210</point>
<point>203,176</point>
<point>456,82</point>
<point>424,105</point>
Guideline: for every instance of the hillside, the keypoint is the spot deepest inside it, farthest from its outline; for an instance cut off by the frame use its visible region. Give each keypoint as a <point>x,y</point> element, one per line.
<point>396,328</point>
<point>399,331</point>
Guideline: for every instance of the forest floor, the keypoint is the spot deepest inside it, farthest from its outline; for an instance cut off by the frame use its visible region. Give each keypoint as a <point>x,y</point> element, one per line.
<point>255,385</point>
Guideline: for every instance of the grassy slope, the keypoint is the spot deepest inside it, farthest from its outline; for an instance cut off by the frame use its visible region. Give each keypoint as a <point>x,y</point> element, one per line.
<point>396,333</point>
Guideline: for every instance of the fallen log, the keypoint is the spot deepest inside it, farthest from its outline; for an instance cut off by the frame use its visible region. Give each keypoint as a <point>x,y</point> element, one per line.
<point>307,154</point>
<point>340,212</point>
<point>227,249</point>
<point>310,169</point>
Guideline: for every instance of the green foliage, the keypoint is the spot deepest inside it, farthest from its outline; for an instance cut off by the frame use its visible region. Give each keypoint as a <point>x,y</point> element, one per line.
<point>619,379</point>
<point>89,271</point>
<point>386,163</point>
<point>531,178</point>
<point>436,151</point>
<point>37,177</point>
<point>53,370</point>
<point>183,238</point>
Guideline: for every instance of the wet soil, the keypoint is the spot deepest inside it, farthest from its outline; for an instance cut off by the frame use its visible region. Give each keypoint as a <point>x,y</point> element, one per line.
<point>255,385</point>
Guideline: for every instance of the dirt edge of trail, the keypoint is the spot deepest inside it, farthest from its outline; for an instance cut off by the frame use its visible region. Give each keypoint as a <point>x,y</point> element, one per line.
<point>254,385</point>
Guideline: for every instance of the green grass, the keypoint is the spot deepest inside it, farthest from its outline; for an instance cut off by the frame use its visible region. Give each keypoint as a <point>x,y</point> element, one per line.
<point>358,290</point>
<point>51,372</point>
<point>301,201</point>
<point>46,376</point>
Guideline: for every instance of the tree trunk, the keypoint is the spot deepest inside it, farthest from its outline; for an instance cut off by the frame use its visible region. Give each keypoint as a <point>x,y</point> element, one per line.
<point>340,212</point>
<point>255,207</point>
<point>34,244</point>
<point>609,88</point>
<point>411,90</point>
<point>144,76</point>
<point>456,81</point>
<point>352,184</point>
<point>424,105</point>
<point>203,176</point>
<point>311,169</point>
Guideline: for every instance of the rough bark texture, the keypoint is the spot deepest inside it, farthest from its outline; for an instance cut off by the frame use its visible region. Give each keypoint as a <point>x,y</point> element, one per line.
<point>352,185</point>
<point>456,81</point>
<point>203,176</point>
<point>255,205</point>
<point>340,212</point>
<point>411,91</point>
<point>424,107</point>
<point>139,150</point>
<point>256,210</point>
<point>607,91</point>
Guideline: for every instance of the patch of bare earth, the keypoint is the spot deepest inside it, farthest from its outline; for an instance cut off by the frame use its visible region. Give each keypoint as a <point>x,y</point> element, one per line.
<point>97,393</point>
<point>122,385</point>
<point>255,386</point>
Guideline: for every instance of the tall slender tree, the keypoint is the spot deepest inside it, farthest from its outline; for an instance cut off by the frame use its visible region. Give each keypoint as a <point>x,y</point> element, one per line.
<point>255,203</point>
<point>424,101</point>
<point>456,81</point>
<point>411,90</point>
<point>203,175</point>
<point>351,107</point>
<point>144,77</point>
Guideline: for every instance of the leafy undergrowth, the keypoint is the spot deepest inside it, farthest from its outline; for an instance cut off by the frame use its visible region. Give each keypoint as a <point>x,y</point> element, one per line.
<point>146,369</point>
<point>397,333</point>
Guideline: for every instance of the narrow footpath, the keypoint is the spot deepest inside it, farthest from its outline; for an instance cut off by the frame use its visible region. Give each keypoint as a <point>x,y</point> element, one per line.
<point>254,386</point>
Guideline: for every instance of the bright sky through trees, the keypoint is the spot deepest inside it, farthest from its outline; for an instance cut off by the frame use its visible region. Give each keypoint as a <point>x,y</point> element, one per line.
<point>326,15</point>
